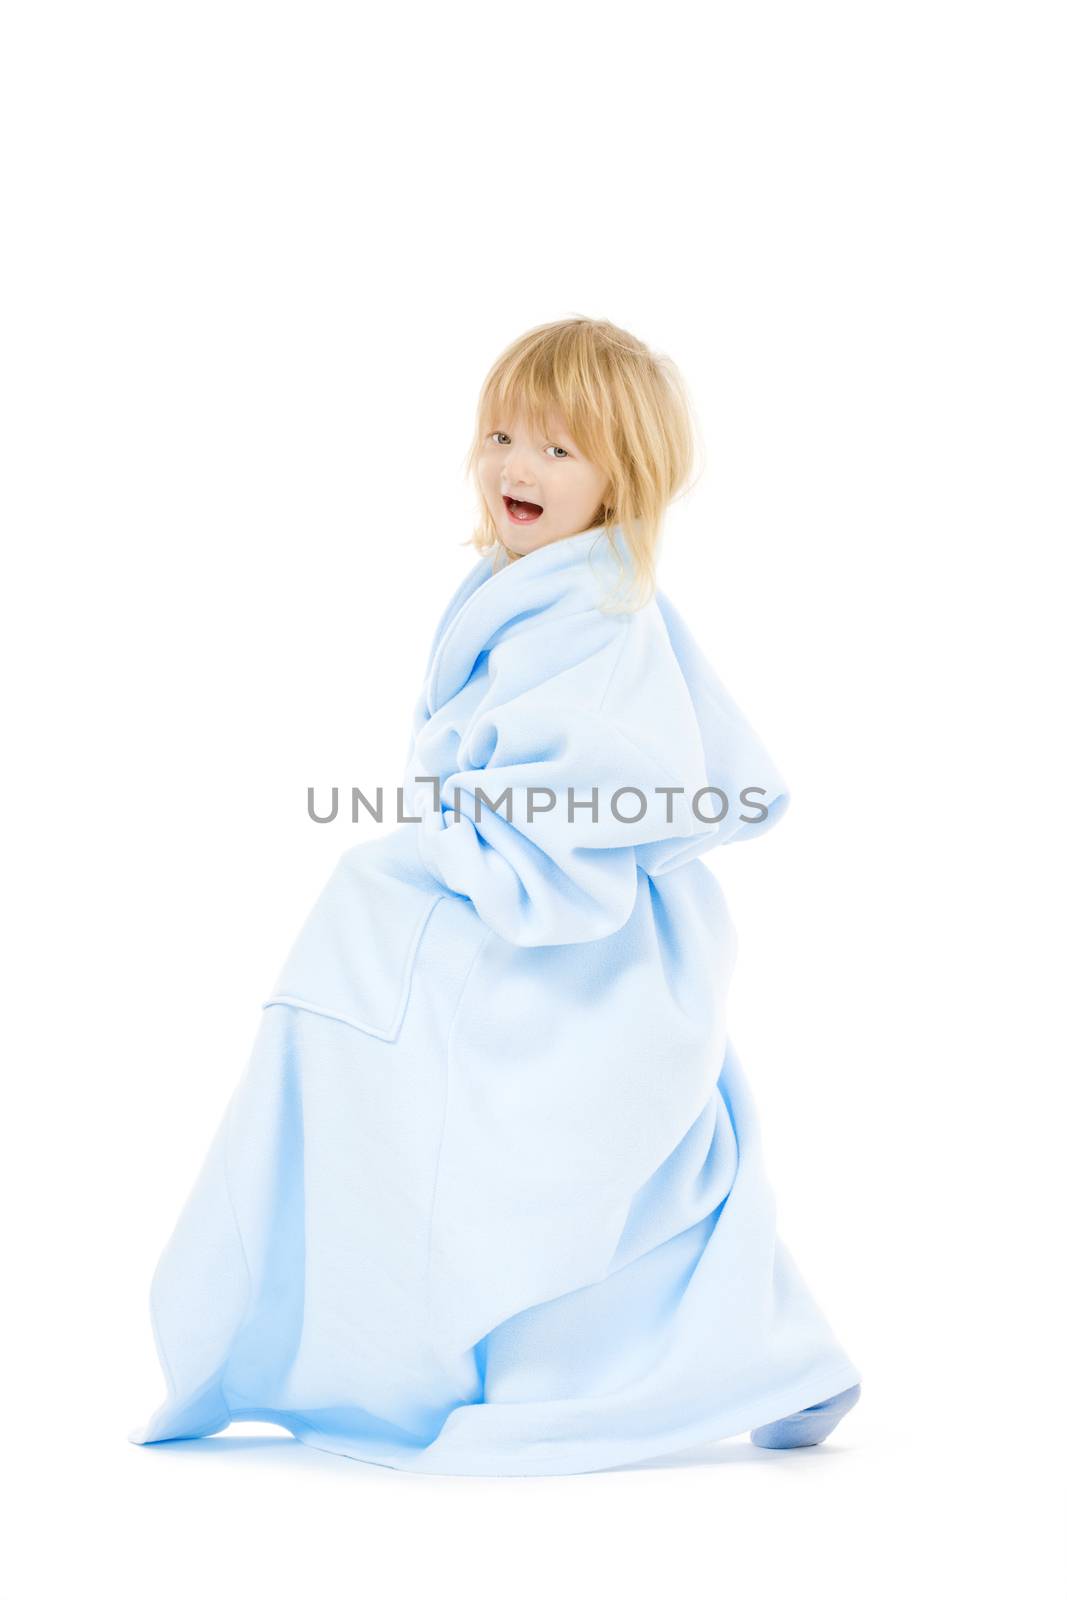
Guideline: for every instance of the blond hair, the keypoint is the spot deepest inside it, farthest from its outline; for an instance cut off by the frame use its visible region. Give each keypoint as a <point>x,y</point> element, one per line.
<point>627,410</point>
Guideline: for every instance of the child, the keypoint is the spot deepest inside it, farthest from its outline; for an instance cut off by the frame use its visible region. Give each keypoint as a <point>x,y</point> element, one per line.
<point>488,1198</point>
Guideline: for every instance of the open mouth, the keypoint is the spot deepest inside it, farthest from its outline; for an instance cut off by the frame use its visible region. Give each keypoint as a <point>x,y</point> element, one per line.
<point>522,510</point>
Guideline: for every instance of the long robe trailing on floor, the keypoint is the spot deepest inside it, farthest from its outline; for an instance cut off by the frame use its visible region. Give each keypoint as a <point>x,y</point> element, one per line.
<point>489,1196</point>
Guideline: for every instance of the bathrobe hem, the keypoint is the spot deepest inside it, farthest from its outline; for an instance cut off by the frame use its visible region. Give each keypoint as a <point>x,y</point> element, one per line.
<point>585,1455</point>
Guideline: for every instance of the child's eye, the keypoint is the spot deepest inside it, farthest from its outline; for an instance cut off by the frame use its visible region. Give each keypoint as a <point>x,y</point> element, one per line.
<point>498,433</point>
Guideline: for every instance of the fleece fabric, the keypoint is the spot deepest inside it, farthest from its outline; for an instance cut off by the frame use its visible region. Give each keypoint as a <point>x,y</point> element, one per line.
<point>488,1198</point>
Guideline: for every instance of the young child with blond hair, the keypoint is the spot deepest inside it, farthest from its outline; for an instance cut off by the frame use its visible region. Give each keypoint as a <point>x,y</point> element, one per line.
<point>489,1196</point>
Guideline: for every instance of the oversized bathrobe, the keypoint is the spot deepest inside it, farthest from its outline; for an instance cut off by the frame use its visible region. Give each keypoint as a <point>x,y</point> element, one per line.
<point>489,1197</point>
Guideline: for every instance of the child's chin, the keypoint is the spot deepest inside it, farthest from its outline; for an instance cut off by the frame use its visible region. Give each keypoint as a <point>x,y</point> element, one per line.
<point>523,540</point>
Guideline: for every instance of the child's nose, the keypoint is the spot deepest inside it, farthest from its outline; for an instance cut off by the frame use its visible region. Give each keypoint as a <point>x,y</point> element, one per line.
<point>519,468</point>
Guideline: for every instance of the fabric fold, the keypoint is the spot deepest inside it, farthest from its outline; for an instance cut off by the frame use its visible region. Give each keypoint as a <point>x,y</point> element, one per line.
<point>581,747</point>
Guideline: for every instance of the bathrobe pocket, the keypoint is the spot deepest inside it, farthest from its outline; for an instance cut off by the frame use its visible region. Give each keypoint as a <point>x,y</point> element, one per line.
<point>354,957</point>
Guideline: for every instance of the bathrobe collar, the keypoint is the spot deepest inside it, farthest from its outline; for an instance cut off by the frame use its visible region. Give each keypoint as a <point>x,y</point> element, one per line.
<point>569,575</point>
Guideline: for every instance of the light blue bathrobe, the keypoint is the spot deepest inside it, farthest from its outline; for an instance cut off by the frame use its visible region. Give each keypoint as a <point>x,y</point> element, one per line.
<point>489,1198</point>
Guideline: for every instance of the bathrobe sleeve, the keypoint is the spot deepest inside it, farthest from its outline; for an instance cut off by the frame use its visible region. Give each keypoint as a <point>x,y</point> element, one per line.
<point>584,705</point>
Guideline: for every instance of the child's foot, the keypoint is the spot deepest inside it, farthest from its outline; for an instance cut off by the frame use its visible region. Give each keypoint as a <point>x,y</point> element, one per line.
<point>809,1426</point>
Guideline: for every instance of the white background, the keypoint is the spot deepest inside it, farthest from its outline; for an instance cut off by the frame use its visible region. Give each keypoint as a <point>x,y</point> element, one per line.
<point>258,260</point>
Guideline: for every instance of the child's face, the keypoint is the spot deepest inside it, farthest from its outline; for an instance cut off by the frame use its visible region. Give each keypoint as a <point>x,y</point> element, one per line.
<point>549,471</point>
